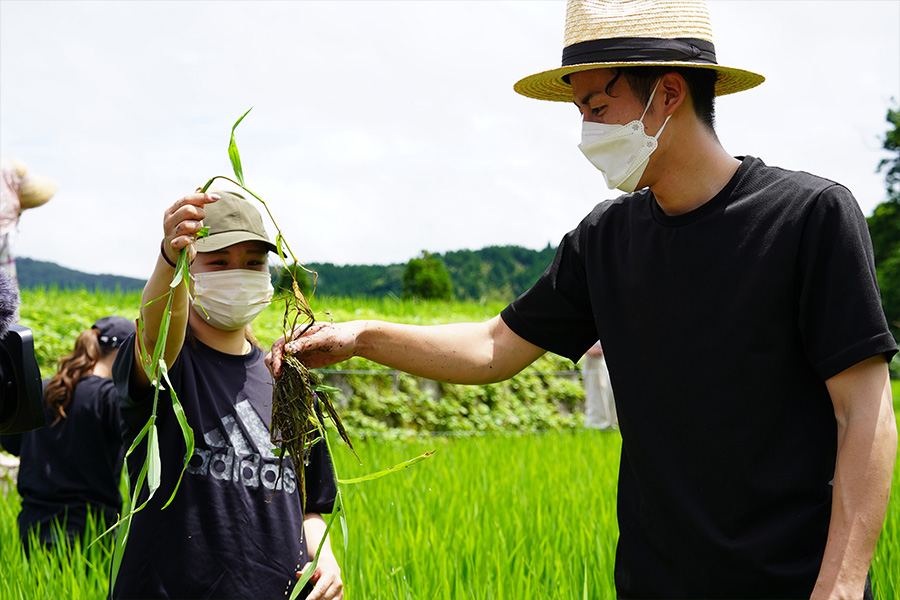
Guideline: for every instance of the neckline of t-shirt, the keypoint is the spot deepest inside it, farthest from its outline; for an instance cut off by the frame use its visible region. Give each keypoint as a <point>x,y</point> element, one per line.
<point>701,211</point>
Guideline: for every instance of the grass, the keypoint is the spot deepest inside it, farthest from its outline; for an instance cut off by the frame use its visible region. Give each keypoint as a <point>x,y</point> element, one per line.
<point>501,516</point>
<point>497,516</point>
<point>61,571</point>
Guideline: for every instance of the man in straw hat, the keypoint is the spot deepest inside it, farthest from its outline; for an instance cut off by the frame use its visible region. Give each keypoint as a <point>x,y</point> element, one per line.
<point>739,314</point>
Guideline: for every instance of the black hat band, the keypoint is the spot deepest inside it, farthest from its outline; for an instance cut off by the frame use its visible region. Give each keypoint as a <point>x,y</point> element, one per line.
<point>639,49</point>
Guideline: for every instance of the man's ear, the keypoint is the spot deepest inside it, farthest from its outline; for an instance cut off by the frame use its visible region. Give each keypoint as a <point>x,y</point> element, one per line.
<point>672,93</point>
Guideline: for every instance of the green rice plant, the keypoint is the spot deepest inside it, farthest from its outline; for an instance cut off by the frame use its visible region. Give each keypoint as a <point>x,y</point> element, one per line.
<point>62,570</point>
<point>56,317</point>
<point>508,516</point>
<point>386,541</point>
<point>495,516</point>
<point>884,569</point>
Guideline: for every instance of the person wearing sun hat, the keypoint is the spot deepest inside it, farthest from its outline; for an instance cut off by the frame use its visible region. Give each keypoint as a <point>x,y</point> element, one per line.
<point>20,190</point>
<point>740,319</point>
<point>603,35</point>
<point>237,518</point>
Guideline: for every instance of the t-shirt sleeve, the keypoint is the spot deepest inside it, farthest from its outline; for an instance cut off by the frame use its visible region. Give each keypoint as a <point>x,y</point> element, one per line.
<point>321,489</point>
<point>556,314</point>
<point>320,486</point>
<point>109,411</point>
<point>841,320</point>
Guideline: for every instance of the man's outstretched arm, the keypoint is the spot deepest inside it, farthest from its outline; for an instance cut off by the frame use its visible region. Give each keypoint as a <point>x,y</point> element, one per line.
<point>470,353</point>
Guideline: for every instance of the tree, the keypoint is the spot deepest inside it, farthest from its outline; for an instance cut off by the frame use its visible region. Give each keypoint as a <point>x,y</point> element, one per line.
<point>884,227</point>
<point>426,277</point>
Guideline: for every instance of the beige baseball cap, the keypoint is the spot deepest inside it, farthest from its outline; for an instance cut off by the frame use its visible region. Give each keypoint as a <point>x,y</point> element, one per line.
<point>232,220</point>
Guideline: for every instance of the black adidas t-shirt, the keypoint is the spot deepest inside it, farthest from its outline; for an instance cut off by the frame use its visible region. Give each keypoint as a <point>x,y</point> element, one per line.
<point>72,466</point>
<point>719,327</point>
<point>234,530</point>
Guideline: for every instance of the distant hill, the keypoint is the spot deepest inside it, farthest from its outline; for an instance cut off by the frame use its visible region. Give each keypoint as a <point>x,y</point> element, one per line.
<point>496,272</point>
<point>492,273</point>
<point>38,273</point>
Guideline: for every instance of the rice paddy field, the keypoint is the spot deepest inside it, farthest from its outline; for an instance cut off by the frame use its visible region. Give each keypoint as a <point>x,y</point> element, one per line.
<point>494,516</point>
<point>501,516</point>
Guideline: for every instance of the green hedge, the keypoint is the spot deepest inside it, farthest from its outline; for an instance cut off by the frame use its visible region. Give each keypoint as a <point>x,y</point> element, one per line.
<point>385,402</point>
<point>375,400</point>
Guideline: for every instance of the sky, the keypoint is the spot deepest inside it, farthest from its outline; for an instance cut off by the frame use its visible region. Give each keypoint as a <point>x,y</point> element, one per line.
<point>380,129</point>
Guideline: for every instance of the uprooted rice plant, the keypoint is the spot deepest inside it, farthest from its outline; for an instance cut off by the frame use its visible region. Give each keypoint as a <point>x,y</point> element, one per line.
<point>296,423</point>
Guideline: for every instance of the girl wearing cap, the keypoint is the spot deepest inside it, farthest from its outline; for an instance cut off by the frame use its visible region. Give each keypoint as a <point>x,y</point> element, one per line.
<point>235,528</point>
<point>70,469</point>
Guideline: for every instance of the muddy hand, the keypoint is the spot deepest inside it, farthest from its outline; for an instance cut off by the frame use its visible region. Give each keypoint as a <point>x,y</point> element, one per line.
<point>321,345</point>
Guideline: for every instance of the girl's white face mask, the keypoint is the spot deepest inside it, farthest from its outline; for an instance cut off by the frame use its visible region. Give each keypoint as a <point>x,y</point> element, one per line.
<point>229,300</point>
<point>621,152</point>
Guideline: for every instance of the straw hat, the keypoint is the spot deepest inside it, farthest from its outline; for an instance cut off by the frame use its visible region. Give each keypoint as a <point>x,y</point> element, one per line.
<point>630,33</point>
<point>34,190</point>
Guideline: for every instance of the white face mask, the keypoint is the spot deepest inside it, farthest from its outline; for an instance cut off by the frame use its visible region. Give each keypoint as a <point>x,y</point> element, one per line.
<point>621,152</point>
<point>229,300</point>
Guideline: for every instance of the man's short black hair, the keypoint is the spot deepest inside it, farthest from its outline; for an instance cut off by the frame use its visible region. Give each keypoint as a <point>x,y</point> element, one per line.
<point>701,84</point>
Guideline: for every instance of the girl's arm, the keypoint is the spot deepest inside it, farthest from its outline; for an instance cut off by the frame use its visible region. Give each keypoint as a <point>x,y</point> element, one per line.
<point>327,576</point>
<point>181,223</point>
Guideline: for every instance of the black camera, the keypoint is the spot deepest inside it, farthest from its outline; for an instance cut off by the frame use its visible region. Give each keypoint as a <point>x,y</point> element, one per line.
<point>21,393</point>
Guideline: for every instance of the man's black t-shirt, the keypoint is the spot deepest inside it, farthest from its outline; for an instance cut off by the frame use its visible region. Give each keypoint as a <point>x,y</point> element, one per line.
<point>234,529</point>
<point>719,327</point>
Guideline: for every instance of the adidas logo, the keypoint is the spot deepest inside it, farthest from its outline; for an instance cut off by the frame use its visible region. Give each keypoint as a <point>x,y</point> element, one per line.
<point>231,456</point>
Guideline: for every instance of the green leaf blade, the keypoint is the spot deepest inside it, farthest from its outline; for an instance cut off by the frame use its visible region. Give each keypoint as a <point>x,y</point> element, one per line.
<point>186,431</point>
<point>298,587</point>
<point>399,467</point>
<point>233,153</point>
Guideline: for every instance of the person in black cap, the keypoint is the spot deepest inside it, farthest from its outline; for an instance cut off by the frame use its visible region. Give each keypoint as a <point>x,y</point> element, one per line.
<point>740,317</point>
<point>70,469</point>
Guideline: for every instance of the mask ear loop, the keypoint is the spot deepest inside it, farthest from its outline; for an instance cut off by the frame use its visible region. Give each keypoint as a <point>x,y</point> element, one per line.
<point>650,101</point>
<point>646,108</point>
